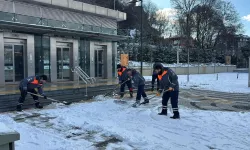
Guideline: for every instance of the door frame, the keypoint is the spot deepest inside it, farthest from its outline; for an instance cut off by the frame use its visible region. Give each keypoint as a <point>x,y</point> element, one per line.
<point>96,62</point>
<point>69,46</point>
<point>13,56</point>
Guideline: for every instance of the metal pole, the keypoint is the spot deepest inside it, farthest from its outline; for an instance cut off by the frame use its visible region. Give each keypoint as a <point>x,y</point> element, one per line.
<point>188,67</point>
<point>178,58</point>
<point>249,72</point>
<point>141,35</point>
<point>151,59</point>
<point>114,4</point>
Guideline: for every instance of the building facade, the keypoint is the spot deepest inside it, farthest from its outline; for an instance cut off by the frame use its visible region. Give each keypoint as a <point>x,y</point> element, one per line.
<point>53,36</point>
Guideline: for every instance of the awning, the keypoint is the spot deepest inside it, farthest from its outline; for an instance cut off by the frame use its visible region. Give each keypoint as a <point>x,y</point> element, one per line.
<point>39,29</point>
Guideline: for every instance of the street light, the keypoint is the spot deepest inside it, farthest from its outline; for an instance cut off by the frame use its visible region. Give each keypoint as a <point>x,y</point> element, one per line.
<point>141,35</point>
<point>141,31</point>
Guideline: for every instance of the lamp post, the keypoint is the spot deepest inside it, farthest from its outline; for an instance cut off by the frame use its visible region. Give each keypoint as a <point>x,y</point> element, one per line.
<point>141,32</point>
<point>141,36</point>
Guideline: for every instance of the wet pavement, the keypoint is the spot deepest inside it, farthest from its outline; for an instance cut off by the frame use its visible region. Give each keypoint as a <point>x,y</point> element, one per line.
<point>190,98</point>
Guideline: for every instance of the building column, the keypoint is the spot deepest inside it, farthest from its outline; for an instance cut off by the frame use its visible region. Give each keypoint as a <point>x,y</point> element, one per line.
<point>2,75</point>
<point>109,60</point>
<point>92,59</point>
<point>31,55</point>
<point>114,58</point>
<point>75,58</point>
<point>53,67</point>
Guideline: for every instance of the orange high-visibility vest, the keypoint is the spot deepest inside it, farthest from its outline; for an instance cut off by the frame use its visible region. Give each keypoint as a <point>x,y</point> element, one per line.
<point>35,81</point>
<point>120,72</point>
<point>160,76</point>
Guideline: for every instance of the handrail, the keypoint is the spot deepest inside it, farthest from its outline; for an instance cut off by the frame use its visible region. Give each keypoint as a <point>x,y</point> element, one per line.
<point>85,74</point>
<point>85,81</point>
<point>84,77</point>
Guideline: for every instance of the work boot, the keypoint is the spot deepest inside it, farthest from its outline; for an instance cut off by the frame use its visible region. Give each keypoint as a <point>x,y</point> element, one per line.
<point>19,107</point>
<point>131,94</point>
<point>164,111</point>
<point>136,104</point>
<point>146,100</point>
<point>121,95</point>
<point>38,105</point>
<point>176,115</point>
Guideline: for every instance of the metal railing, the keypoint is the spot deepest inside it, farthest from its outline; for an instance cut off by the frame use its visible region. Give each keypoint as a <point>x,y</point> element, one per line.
<point>84,77</point>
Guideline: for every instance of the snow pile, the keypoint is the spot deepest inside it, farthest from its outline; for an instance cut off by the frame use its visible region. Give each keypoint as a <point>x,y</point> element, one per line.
<point>138,64</point>
<point>227,82</point>
<point>106,125</point>
<point>5,129</point>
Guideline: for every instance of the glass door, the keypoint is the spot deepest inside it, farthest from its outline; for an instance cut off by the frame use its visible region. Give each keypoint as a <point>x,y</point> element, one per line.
<point>59,63</point>
<point>63,63</point>
<point>8,63</point>
<point>99,63</point>
<point>66,63</point>
<point>13,62</point>
<point>19,62</point>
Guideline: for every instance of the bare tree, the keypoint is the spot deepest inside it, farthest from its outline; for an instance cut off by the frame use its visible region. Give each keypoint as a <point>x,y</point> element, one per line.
<point>184,8</point>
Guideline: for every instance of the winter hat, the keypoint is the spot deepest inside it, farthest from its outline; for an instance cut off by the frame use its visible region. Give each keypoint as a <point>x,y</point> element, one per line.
<point>119,66</point>
<point>158,66</point>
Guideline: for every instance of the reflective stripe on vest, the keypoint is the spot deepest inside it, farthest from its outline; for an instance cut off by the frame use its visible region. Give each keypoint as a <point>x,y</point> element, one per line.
<point>160,76</point>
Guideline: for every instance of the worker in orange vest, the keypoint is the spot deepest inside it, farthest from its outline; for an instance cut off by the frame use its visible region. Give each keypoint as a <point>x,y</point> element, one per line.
<point>170,86</point>
<point>29,85</point>
<point>124,80</point>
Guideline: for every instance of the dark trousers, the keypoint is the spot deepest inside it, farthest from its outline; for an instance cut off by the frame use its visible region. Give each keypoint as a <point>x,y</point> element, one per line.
<point>24,94</point>
<point>174,99</point>
<point>140,92</point>
<point>129,84</point>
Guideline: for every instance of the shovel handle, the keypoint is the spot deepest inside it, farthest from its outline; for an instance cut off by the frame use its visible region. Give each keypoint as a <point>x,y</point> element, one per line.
<point>42,96</point>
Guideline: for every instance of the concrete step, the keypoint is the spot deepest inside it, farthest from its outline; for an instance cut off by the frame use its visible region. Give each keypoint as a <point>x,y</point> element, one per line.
<point>9,102</point>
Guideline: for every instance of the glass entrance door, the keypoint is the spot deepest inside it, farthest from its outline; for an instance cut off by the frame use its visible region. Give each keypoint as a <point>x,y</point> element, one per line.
<point>13,62</point>
<point>63,63</point>
<point>99,70</point>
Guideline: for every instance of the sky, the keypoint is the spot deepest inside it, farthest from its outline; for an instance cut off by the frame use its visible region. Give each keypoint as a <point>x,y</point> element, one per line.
<point>241,6</point>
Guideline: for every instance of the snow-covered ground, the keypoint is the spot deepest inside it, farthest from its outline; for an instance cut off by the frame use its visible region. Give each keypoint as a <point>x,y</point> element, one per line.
<point>86,125</point>
<point>227,82</point>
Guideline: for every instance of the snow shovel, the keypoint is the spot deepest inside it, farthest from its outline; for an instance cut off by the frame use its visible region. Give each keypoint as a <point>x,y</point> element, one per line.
<point>116,87</point>
<point>155,96</point>
<point>53,100</point>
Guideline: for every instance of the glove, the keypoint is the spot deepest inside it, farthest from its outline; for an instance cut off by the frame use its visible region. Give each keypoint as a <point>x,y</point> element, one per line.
<point>170,89</point>
<point>159,92</point>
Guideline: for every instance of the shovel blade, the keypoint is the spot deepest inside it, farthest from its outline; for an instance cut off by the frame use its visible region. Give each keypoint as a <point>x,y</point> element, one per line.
<point>67,103</point>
